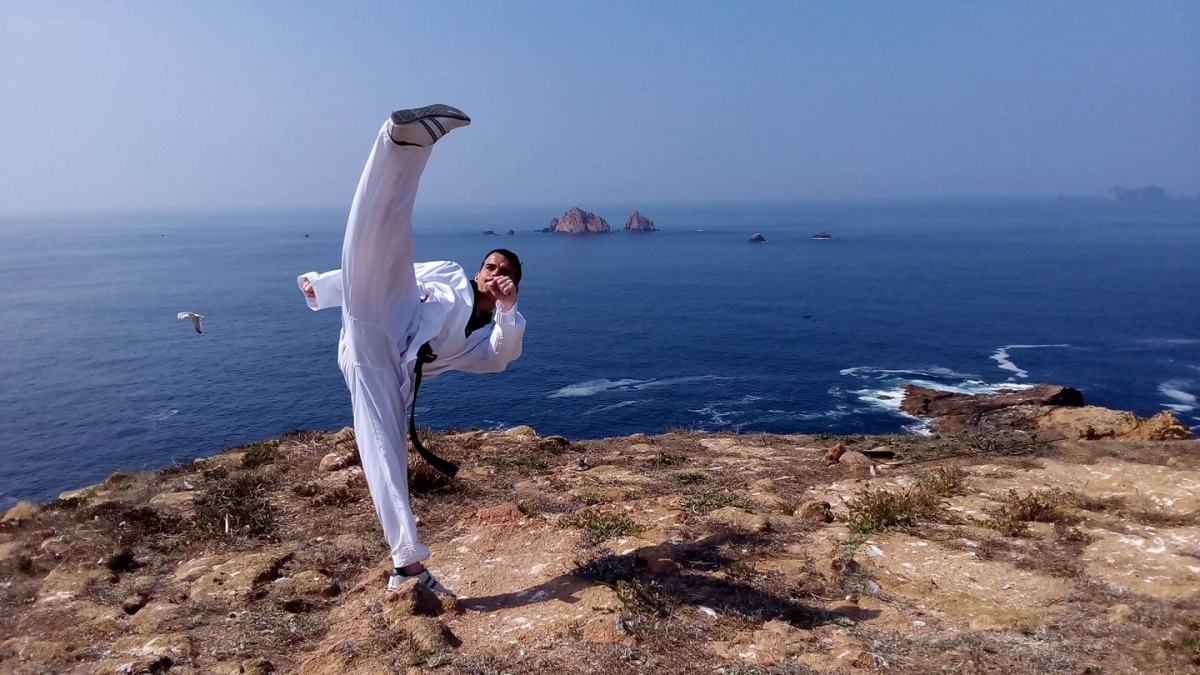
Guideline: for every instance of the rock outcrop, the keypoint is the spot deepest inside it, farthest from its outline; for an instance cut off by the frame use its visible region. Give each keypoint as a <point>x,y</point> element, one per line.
<point>757,238</point>
<point>639,223</point>
<point>1150,193</point>
<point>578,221</point>
<point>1043,407</point>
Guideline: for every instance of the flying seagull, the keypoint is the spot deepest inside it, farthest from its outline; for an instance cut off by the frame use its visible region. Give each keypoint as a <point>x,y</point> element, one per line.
<point>193,316</point>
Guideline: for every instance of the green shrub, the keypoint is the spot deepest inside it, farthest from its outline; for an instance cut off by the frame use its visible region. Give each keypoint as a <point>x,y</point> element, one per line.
<point>600,526</point>
<point>710,500</point>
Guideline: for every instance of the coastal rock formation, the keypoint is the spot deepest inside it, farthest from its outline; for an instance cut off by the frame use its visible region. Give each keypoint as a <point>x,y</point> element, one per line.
<point>489,233</point>
<point>1150,193</point>
<point>755,553</point>
<point>758,239</point>
<point>639,223</point>
<point>512,232</point>
<point>1043,407</point>
<point>578,221</point>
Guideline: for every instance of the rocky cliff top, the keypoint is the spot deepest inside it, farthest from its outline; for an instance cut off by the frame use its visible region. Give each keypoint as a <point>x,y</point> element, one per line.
<point>988,550</point>
<point>578,221</point>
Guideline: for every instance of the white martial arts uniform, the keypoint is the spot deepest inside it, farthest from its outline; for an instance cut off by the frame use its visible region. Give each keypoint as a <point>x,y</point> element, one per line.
<point>390,307</point>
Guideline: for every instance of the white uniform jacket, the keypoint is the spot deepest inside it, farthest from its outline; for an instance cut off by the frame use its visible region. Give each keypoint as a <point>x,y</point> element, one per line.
<point>448,300</point>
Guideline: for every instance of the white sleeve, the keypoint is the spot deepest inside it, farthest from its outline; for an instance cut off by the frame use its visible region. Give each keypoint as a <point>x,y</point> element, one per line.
<point>327,286</point>
<point>502,347</point>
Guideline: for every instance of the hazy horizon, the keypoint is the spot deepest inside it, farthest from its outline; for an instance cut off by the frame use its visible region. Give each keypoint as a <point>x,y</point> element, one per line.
<point>166,107</point>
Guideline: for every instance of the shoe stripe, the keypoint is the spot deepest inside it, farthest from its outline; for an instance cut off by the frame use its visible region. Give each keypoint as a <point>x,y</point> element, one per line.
<point>439,125</point>
<point>428,128</point>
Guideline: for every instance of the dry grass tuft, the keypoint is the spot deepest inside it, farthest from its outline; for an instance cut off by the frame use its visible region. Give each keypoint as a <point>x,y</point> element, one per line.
<point>257,454</point>
<point>942,482</point>
<point>598,527</point>
<point>710,500</point>
<point>877,510</point>
<point>236,507</point>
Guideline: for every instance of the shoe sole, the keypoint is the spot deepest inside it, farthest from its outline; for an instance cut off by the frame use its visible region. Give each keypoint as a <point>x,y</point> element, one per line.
<point>439,110</point>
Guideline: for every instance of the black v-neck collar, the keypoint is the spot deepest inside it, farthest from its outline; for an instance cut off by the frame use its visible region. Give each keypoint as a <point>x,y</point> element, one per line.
<point>475,322</point>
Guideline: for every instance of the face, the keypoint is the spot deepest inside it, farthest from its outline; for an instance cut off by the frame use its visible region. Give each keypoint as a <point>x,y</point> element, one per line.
<point>495,265</point>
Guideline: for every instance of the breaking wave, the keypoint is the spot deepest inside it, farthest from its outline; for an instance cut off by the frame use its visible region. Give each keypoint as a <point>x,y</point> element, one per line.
<point>593,387</point>
<point>1002,357</point>
<point>614,406</point>
<point>1185,401</point>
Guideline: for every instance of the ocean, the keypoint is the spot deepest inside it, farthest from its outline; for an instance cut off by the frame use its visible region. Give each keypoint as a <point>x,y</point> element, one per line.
<point>690,327</point>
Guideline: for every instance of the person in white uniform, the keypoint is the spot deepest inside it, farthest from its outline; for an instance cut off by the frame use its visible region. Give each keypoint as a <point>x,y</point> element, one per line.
<point>396,313</point>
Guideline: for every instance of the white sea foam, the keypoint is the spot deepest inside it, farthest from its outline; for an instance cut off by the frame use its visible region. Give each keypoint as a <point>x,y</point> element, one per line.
<point>1002,357</point>
<point>931,371</point>
<point>718,417</point>
<point>1185,401</point>
<point>1169,342</point>
<point>593,387</point>
<point>606,408</point>
<point>833,414</point>
<point>722,413</point>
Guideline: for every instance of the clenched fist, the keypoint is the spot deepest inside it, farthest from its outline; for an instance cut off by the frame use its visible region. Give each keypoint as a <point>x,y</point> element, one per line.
<point>504,291</point>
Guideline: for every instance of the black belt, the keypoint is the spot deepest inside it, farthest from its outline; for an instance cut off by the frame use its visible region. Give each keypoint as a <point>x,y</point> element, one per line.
<point>425,355</point>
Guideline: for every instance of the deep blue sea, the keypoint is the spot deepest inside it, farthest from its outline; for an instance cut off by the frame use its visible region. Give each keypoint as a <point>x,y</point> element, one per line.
<point>689,327</point>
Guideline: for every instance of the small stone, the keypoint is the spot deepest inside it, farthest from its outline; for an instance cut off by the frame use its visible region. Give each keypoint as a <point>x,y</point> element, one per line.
<point>309,583</point>
<point>523,431</point>
<point>834,454</point>
<point>412,598</point>
<point>154,615</point>
<point>133,603</point>
<point>854,458</point>
<point>333,462</point>
<point>815,511</point>
<point>553,444</point>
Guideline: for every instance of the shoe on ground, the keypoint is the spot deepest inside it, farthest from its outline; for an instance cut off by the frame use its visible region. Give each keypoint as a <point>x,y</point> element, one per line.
<point>397,579</point>
<point>424,126</point>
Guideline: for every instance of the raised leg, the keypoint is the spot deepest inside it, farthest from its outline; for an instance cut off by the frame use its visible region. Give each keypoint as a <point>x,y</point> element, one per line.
<point>379,303</point>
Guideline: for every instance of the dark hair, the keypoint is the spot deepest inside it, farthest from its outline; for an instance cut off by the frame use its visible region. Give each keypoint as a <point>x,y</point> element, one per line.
<point>512,260</point>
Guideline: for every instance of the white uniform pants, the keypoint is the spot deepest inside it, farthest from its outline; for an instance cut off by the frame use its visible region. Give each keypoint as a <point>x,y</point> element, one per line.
<point>379,308</point>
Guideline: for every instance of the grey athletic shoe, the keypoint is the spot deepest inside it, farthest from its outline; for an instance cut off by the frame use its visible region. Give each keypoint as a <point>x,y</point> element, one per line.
<point>424,126</point>
<point>396,580</point>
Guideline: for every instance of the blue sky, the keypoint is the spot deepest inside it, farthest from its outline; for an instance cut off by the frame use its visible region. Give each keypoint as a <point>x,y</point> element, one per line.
<point>145,106</point>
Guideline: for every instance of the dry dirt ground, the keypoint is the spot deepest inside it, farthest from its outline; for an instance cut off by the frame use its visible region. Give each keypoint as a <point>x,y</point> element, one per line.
<point>680,553</point>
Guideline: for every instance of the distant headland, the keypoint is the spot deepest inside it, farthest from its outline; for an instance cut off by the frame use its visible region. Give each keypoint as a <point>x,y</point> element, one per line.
<point>1150,193</point>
